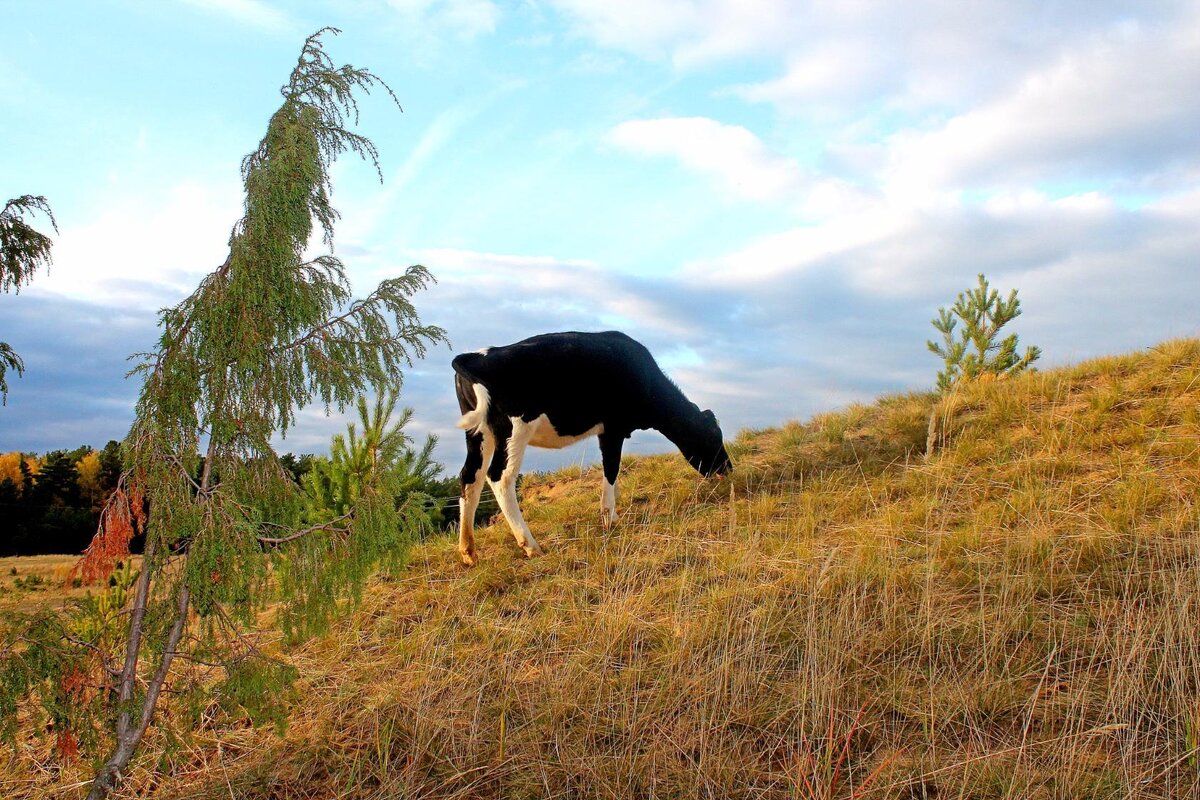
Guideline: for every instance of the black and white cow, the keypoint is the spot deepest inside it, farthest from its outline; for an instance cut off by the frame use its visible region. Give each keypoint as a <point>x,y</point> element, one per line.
<point>554,390</point>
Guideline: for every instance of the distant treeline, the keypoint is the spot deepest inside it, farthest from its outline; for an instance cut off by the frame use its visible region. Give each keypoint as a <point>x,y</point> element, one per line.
<point>50,503</point>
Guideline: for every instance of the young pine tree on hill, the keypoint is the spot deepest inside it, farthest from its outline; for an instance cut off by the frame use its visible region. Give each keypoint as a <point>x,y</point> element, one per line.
<point>977,350</point>
<point>333,485</point>
<point>266,333</point>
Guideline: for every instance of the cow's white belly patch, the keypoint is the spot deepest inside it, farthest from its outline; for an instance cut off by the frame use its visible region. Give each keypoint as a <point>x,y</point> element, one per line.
<point>544,434</point>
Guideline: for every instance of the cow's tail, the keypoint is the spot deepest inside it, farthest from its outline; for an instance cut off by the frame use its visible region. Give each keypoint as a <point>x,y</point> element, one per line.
<point>473,397</point>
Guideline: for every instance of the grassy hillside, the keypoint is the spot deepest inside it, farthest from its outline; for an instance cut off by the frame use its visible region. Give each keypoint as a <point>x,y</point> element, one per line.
<point>1014,617</point>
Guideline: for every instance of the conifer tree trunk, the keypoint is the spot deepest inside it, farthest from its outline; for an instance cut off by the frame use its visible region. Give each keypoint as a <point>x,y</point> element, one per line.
<point>130,736</point>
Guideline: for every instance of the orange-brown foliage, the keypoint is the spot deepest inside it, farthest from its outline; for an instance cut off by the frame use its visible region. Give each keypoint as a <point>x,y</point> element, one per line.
<point>67,745</point>
<point>122,517</point>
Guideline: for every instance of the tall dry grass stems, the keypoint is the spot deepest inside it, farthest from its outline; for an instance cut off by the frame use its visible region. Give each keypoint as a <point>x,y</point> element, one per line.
<point>1014,617</point>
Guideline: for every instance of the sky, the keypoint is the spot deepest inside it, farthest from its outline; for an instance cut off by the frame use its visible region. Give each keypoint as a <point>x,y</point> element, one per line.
<point>774,196</point>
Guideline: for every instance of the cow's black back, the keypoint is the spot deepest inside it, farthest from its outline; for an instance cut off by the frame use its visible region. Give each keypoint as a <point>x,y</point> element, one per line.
<point>578,380</point>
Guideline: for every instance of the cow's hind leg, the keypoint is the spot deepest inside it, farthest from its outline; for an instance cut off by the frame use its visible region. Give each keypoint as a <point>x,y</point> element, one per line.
<point>502,475</point>
<point>610,457</point>
<point>471,479</point>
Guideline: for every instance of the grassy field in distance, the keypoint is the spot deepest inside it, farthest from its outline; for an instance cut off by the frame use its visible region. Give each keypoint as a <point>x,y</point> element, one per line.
<point>31,583</point>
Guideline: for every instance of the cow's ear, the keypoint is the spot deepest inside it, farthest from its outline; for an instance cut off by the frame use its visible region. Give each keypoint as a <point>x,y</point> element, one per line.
<point>709,415</point>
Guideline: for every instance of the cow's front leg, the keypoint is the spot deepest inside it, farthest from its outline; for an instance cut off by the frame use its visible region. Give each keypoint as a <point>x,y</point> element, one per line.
<point>610,457</point>
<point>479,453</point>
<point>502,475</point>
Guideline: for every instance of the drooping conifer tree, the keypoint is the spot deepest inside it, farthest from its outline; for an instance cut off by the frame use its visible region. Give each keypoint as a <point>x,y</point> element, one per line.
<point>263,335</point>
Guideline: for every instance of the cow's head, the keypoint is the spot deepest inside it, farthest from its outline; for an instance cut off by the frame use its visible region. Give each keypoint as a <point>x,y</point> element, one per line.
<point>705,449</point>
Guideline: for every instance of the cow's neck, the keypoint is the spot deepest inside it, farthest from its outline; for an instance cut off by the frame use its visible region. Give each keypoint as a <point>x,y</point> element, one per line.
<point>677,417</point>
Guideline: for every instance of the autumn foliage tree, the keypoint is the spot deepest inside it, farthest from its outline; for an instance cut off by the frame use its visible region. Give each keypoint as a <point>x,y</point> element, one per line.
<point>264,334</point>
<point>51,503</point>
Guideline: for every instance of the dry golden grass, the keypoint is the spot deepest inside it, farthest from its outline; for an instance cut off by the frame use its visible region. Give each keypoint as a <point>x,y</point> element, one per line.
<point>1014,617</point>
<point>33,583</point>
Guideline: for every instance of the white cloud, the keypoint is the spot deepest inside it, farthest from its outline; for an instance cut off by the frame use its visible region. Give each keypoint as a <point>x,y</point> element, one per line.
<point>644,27</point>
<point>867,56</point>
<point>729,153</point>
<point>770,257</point>
<point>465,19</point>
<point>254,13</point>
<point>538,287</point>
<point>1123,105</point>
<point>470,18</point>
<point>689,32</point>
<point>1116,111</point>
<point>823,75</point>
<point>143,251</point>
<point>1179,206</point>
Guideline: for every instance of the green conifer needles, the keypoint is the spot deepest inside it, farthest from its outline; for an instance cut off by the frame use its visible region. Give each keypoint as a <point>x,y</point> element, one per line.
<point>374,469</point>
<point>269,331</point>
<point>975,351</point>
<point>23,250</point>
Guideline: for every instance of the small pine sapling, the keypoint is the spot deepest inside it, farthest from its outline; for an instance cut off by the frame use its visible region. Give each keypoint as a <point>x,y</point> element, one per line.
<point>332,485</point>
<point>976,351</point>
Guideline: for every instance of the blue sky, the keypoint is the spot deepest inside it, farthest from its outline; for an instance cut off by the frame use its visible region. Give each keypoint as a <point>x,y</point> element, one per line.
<point>774,195</point>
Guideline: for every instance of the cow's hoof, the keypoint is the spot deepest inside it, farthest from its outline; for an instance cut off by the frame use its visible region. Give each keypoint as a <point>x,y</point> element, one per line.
<point>468,557</point>
<point>532,551</point>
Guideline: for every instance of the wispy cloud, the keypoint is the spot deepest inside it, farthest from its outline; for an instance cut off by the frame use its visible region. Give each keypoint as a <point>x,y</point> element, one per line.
<point>689,32</point>
<point>1122,106</point>
<point>463,19</point>
<point>916,53</point>
<point>143,251</point>
<point>443,127</point>
<point>253,13</point>
<point>730,153</point>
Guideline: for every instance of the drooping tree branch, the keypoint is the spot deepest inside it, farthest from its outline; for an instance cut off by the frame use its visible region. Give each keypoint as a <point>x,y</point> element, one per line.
<point>23,250</point>
<point>330,526</point>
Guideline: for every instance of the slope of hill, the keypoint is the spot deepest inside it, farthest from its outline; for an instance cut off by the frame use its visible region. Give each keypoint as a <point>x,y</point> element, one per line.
<point>1015,616</point>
